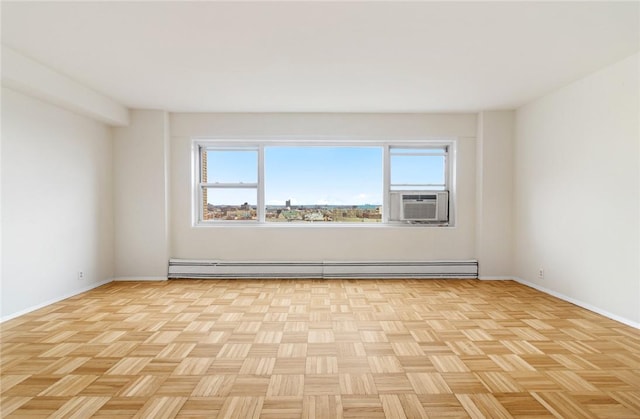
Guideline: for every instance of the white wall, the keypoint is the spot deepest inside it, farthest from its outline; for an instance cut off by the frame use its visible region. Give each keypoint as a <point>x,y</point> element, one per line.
<point>494,194</point>
<point>312,242</point>
<point>142,199</point>
<point>577,191</point>
<point>57,203</point>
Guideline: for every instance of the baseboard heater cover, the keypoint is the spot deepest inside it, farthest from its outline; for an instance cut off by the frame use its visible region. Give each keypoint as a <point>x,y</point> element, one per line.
<point>192,268</point>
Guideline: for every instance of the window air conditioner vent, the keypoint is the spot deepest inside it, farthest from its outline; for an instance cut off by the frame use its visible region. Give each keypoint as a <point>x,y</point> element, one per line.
<point>426,206</point>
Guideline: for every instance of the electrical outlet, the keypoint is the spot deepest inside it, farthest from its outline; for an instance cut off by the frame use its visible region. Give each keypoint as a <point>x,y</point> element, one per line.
<point>81,276</point>
<point>541,273</point>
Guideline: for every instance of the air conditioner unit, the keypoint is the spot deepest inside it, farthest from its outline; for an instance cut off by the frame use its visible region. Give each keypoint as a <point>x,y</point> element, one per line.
<point>425,206</point>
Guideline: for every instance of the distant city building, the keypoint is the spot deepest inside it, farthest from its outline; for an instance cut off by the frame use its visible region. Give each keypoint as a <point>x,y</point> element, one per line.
<point>309,213</point>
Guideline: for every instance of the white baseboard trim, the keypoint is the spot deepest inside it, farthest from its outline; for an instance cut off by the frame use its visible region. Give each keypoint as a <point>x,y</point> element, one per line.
<point>140,278</point>
<point>55,300</point>
<point>579,303</point>
<point>495,278</point>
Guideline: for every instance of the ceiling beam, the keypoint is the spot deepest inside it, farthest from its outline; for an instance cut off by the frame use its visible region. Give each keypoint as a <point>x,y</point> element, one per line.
<point>34,79</point>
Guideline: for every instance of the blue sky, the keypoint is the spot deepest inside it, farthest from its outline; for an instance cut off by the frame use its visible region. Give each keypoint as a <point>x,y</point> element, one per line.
<point>314,175</point>
<point>323,175</point>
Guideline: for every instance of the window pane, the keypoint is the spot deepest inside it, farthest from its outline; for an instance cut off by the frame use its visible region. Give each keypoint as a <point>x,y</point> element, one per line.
<point>230,166</point>
<point>323,184</point>
<point>407,169</point>
<point>230,204</point>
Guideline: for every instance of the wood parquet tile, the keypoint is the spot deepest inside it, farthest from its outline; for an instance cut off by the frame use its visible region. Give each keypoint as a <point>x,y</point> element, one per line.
<point>318,349</point>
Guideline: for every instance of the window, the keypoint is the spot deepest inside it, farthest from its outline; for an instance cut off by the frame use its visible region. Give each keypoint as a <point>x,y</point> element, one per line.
<point>312,183</point>
<point>229,184</point>
<point>323,184</point>
<point>418,168</point>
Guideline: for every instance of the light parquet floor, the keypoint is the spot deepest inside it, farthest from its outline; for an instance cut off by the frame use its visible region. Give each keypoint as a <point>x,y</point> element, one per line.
<point>318,349</point>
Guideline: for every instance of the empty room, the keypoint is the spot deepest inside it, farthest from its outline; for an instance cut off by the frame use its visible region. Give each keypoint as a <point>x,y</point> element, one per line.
<point>320,209</point>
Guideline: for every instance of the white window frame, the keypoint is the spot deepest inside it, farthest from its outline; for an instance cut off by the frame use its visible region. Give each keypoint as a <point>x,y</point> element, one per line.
<point>198,148</point>
<point>450,145</point>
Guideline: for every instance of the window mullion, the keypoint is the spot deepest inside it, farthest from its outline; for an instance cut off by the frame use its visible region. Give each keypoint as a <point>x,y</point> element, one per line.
<point>261,204</point>
<point>230,185</point>
<point>201,165</point>
<point>416,184</point>
<point>386,184</point>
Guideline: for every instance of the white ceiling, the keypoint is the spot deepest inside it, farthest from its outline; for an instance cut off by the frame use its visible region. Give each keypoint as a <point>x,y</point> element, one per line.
<point>323,56</point>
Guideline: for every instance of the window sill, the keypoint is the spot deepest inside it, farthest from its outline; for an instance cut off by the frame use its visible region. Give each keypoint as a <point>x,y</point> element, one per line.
<point>253,224</point>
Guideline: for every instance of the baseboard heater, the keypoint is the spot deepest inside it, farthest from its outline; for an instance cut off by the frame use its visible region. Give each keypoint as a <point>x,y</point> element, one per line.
<point>190,268</point>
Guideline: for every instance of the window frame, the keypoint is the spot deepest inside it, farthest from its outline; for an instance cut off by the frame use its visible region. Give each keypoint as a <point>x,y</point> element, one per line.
<point>198,144</point>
